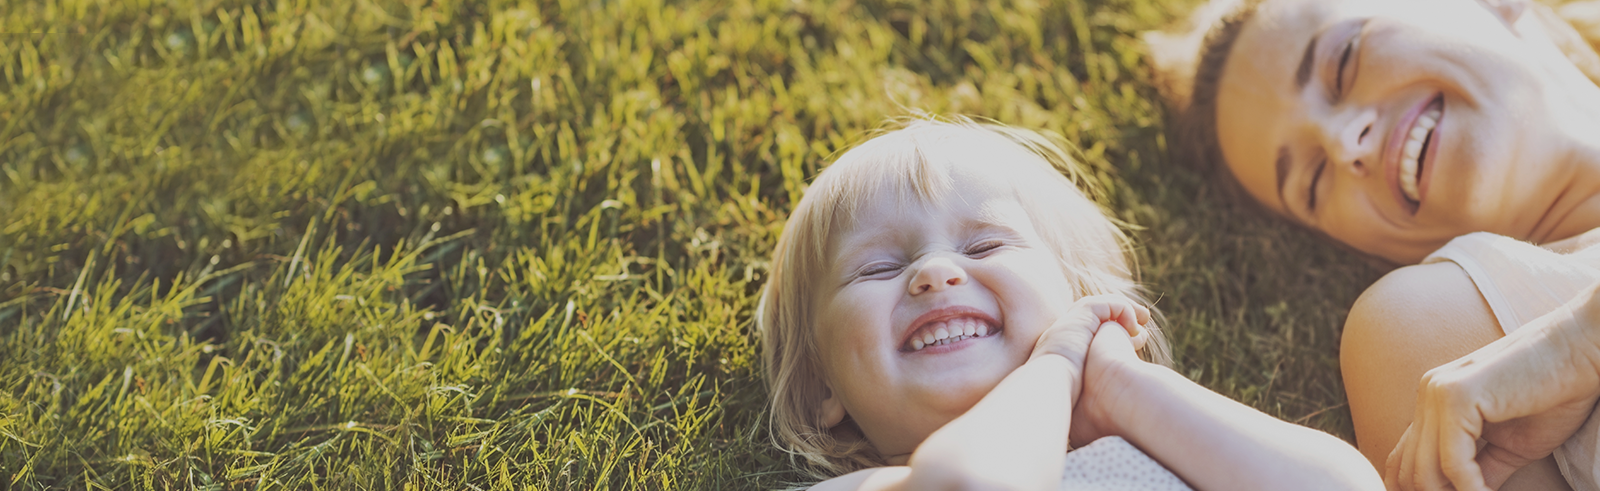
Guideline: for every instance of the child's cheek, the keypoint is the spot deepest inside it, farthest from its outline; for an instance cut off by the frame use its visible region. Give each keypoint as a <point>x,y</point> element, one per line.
<point>1035,290</point>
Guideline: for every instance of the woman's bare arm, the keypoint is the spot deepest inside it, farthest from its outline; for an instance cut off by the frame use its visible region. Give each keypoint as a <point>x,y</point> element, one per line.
<point>1414,319</point>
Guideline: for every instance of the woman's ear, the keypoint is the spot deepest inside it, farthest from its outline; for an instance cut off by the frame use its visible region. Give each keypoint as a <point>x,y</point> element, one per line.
<point>1175,51</point>
<point>1576,31</point>
<point>1172,57</point>
<point>1509,11</point>
<point>1585,18</point>
<point>832,409</point>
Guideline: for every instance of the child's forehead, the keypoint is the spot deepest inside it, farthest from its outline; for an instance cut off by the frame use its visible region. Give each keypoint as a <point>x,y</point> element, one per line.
<point>889,217</point>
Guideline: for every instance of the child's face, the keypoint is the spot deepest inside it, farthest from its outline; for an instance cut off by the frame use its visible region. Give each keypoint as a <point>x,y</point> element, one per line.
<point>907,272</point>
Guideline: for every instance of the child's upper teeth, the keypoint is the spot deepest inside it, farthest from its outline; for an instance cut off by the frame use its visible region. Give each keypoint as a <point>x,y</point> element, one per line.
<point>942,333</point>
<point>1413,148</point>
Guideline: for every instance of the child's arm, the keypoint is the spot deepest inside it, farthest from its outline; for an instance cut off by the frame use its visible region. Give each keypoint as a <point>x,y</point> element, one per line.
<point>1209,440</point>
<point>1016,436</point>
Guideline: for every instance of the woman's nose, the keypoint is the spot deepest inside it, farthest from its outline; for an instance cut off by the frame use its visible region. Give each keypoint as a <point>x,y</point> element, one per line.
<point>936,274</point>
<point>1353,141</point>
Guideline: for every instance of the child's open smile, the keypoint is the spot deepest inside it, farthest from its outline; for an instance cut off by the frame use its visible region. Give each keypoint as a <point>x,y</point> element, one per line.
<point>944,330</point>
<point>925,307</point>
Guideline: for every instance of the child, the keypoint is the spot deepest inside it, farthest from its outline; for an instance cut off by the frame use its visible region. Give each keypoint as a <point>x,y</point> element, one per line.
<point>928,325</point>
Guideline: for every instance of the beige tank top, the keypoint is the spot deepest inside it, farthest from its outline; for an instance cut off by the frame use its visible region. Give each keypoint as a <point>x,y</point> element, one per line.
<point>1522,281</point>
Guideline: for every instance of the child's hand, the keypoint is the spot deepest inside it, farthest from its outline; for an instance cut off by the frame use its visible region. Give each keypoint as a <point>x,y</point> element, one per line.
<point>1112,356</point>
<point>1072,332</point>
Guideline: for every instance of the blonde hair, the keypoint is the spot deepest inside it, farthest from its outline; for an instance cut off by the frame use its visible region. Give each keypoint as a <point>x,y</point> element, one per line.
<point>913,163</point>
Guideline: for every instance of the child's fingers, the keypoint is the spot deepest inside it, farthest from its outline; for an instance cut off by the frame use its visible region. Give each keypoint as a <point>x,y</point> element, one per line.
<point>1131,315</point>
<point>1118,308</point>
<point>1140,338</point>
<point>1114,340</point>
<point>1102,310</point>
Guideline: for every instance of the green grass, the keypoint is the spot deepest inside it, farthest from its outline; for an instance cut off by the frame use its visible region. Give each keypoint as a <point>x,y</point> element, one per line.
<point>298,244</point>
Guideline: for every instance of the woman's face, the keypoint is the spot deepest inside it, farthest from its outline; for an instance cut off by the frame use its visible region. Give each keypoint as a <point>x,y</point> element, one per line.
<point>1395,125</point>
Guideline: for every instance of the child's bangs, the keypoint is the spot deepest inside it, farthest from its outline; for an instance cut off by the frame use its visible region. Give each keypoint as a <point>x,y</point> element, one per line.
<point>894,167</point>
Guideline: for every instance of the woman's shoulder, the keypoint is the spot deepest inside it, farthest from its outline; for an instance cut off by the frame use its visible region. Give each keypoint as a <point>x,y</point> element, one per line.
<point>1421,307</point>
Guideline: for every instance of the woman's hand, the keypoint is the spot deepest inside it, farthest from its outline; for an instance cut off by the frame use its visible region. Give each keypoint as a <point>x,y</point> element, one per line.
<point>1523,394</point>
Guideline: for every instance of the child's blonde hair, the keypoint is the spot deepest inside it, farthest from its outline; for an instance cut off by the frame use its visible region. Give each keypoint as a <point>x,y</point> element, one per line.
<point>913,163</point>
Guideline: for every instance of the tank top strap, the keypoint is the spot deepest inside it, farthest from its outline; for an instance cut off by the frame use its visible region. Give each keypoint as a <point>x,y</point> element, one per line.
<point>1520,281</point>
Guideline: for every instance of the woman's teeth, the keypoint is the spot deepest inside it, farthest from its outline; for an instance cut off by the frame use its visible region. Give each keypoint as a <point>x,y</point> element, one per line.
<point>1415,146</point>
<point>943,333</point>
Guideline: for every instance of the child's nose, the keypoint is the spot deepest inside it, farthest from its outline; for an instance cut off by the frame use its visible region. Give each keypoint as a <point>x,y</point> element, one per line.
<point>937,274</point>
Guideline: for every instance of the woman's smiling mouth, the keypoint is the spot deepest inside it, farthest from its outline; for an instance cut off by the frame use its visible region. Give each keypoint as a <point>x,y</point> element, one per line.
<point>1412,142</point>
<point>1416,150</point>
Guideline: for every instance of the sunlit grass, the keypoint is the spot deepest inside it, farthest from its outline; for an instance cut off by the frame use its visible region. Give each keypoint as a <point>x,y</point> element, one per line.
<point>509,245</point>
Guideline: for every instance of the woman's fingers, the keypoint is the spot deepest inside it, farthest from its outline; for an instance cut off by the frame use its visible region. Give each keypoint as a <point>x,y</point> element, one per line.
<point>1395,466</point>
<point>1495,465</point>
<point>1458,451</point>
<point>1428,471</point>
<point>1439,449</point>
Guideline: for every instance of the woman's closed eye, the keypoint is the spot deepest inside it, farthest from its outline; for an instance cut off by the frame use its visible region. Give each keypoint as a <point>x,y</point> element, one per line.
<point>1344,68</point>
<point>1344,61</point>
<point>1316,177</point>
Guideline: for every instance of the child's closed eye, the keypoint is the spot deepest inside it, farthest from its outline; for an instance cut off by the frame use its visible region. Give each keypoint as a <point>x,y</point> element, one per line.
<point>983,247</point>
<point>877,268</point>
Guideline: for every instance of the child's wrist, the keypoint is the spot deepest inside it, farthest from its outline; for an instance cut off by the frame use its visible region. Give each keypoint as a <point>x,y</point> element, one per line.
<point>1118,385</point>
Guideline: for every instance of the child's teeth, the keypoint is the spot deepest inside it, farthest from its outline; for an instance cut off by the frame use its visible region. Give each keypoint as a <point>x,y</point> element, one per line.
<point>950,332</point>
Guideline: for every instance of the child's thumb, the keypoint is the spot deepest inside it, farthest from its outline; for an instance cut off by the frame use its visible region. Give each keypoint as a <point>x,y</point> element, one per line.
<point>1112,340</point>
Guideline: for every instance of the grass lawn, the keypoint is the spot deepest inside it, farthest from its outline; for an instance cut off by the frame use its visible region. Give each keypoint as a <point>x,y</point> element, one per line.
<point>305,244</point>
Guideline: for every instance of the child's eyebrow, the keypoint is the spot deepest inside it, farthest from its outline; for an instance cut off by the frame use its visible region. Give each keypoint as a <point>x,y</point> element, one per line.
<point>855,246</point>
<point>988,218</point>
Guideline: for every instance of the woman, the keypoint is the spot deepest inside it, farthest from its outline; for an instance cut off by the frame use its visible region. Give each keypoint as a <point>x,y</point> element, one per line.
<point>1398,128</point>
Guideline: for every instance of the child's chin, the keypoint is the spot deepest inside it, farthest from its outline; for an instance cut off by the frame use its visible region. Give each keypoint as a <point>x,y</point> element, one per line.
<point>959,390</point>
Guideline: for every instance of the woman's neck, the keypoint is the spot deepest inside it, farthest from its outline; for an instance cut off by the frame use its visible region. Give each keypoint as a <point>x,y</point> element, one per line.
<point>1576,209</point>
